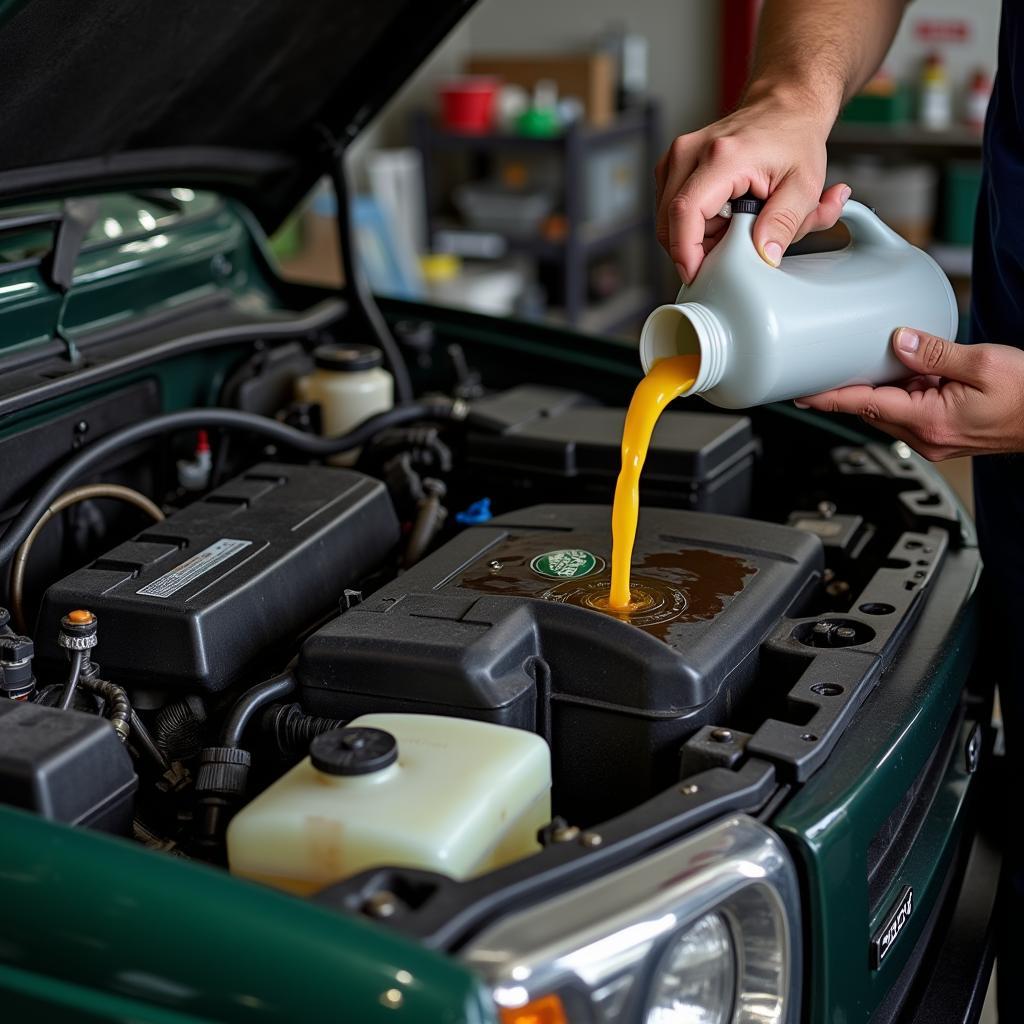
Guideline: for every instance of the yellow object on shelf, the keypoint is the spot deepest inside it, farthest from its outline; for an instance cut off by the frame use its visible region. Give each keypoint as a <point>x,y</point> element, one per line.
<point>438,267</point>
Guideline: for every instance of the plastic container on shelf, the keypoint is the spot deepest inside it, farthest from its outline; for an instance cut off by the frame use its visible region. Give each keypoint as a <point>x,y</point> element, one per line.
<point>451,795</point>
<point>468,103</point>
<point>962,187</point>
<point>819,321</point>
<point>516,213</point>
<point>348,383</point>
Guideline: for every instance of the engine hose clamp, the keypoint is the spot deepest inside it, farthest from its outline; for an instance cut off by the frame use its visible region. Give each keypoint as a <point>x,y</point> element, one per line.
<point>77,643</point>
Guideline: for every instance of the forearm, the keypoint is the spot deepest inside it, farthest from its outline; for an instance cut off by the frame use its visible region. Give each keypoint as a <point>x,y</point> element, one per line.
<point>820,53</point>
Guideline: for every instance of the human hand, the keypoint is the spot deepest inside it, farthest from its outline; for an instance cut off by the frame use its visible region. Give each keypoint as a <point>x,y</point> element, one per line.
<point>963,399</point>
<point>773,147</point>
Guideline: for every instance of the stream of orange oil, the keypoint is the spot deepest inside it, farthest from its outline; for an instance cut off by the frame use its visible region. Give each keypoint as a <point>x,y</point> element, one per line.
<point>668,379</point>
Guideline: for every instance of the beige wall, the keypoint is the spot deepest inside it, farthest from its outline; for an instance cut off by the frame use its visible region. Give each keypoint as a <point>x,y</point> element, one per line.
<point>683,59</point>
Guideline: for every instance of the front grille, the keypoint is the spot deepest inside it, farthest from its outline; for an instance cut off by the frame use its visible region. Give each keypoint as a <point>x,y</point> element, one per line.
<point>892,842</point>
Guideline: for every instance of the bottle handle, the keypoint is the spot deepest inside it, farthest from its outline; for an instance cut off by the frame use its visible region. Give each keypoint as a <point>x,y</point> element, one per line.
<point>867,228</point>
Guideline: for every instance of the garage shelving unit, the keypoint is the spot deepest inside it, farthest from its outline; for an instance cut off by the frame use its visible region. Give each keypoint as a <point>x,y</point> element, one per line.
<point>582,241</point>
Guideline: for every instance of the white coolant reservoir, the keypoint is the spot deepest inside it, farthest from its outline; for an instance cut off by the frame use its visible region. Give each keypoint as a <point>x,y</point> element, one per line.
<point>819,321</point>
<point>426,791</point>
<point>348,383</point>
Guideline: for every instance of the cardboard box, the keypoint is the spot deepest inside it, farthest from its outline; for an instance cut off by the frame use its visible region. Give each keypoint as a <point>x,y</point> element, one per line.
<point>589,77</point>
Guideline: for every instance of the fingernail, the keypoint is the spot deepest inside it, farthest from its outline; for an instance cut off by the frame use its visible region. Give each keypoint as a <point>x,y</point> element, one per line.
<point>907,341</point>
<point>845,194</point>
<point>799,404</point>
<point>772,252</point>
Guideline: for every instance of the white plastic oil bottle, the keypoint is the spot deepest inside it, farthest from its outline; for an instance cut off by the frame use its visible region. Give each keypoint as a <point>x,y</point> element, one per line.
<point>816,322</point>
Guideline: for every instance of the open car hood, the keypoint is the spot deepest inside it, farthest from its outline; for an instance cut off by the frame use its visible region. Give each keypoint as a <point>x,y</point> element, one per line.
<point>248,97</point>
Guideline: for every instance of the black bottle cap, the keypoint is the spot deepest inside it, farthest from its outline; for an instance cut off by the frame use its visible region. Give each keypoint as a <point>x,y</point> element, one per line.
<point>358,751</point>
<point>748,203</point>
<point>346,358</point>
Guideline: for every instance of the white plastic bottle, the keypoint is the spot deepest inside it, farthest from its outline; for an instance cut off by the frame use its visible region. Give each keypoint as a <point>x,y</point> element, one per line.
<point>348,383</point>
<point>824,320</point>
<point>427,791</point>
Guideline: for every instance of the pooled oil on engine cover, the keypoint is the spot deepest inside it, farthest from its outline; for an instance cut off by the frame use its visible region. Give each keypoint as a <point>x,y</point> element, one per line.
<point>199,599</point>
<point>499,625</point>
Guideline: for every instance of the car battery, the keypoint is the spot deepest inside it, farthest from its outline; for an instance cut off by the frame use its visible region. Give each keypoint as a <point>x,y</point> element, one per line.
<point>531,442</point>
<point>200,599</point>
<point>503,624</point>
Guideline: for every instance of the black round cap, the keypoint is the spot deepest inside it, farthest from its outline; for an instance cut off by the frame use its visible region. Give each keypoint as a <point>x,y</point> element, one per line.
<point>748,203</point>
<point>346,358</point>
<point>358,751</point>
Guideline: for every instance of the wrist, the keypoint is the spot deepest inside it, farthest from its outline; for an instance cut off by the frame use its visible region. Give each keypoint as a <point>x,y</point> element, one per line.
<point>818,107</point>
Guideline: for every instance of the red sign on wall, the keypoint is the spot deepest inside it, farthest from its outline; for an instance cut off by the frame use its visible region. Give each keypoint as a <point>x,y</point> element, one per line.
<point>943,30</point>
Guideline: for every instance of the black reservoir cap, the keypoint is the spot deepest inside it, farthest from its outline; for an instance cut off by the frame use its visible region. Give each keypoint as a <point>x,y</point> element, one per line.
<point>358,751</point>
<point>346,358</point>
<point>747,203</point>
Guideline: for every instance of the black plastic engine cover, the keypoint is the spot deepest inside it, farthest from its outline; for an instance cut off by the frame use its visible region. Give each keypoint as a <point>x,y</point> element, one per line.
<point>197,600</point>
<point>495,626</point>
<point>66,766</point>
<point>534,440</point>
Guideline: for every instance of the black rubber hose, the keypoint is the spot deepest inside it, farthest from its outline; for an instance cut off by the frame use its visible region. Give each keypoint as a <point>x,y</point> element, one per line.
<point>119,708</point>
<point>293,730</point>
<point>179,727</point>
<point>143,739</point>
<point>251,701</point>
<point>189,419</point>
<point>74,674</point>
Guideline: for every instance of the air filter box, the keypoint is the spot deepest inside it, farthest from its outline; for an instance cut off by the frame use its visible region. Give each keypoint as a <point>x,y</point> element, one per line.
<point>552,442</point>
<point>66,766</point>
<point>502,625</point>
<point>199,599</point>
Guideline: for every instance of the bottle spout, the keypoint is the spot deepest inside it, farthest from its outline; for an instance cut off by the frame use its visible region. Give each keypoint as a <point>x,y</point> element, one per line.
<point>686,329</point>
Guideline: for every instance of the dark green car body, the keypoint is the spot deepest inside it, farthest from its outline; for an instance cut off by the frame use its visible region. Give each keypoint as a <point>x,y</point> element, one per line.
<point>172,295</point>
<point>98,929</point>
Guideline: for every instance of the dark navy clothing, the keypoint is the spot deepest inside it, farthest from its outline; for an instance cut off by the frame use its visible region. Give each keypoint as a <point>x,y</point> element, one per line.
<point>997,315</point>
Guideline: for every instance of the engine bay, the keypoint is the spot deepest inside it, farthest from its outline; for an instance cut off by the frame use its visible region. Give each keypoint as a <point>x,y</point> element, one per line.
<point>411,613</point>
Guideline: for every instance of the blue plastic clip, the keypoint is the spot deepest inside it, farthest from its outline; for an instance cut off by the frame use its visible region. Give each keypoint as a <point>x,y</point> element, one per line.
<point>478,512</point>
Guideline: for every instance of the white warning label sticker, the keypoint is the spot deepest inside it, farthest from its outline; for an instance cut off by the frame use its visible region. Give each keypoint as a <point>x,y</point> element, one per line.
<point>200,563</point>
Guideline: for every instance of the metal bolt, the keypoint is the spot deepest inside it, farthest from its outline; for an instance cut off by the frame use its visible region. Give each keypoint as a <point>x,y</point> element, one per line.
<point>494,565</point>
<point>591,839</point>
<point>690,789</point>
<point>721,735</point>
<point>846,633</point>
<point>81,427</point>
<point>565,834</point>
<point>381,904</point>
<point>837,588</point>
<point>902,450</point>
<point>826,509</point>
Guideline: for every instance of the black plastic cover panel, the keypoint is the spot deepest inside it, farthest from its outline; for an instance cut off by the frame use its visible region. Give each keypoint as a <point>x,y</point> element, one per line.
<point>496,626</point>
<point>65,765</point>
<point>198,599</point>
<point>562,445</point>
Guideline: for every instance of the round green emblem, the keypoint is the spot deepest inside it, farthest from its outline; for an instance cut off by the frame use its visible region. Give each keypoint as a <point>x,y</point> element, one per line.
<point>566,564</point>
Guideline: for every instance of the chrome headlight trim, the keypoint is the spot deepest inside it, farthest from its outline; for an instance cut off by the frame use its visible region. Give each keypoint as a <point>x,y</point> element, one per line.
<point>587,939</point>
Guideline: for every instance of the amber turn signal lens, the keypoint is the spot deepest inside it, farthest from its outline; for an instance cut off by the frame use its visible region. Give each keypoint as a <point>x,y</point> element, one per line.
<point>546,1010</point>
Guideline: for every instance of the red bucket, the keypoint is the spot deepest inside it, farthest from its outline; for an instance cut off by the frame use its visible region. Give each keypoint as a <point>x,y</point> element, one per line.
<point>467,104</point>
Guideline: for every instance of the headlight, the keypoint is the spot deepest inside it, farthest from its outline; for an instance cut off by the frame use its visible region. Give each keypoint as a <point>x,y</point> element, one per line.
<point>702,932</point>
